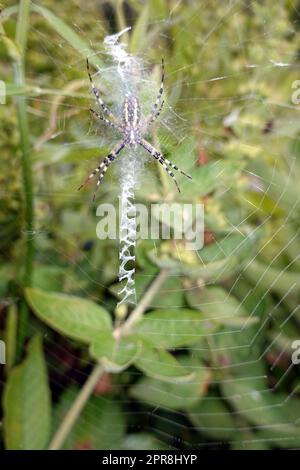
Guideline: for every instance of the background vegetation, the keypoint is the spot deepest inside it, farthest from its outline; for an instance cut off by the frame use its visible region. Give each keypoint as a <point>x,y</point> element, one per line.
<point>206,360</point>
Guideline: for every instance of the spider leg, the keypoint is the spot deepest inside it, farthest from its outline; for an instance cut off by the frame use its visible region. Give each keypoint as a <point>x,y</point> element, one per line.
<point>109,123</point>
<point>97,94</point>
<point>153,113</point>
<point>103,166</point>
<point>176,168</point>
<point>159,156</point>
<point>156,114</point>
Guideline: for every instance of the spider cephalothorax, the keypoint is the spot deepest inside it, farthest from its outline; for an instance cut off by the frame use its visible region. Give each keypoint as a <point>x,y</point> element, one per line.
<point>132,126</point>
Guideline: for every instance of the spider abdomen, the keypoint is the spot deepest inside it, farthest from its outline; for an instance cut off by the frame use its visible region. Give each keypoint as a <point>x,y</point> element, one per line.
<point>131,120</point>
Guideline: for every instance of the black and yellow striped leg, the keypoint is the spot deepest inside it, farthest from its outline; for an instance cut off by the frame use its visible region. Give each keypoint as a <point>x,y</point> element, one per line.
<point>152,149</point>
<point>103,166</point>
<point>106,121</point>
<point>164,161</point>
<point>97,94</point>
<point>153,114</point>
<point>176,168</point>
<point>156,114</point>
<point>159,157</point>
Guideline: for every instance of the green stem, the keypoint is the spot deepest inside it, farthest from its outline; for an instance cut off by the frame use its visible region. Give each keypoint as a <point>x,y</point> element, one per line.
<point>19,79</point>
<point>137,313</point>
<point>83,396</point>
<point>121,21</point>
<point>76,408</point>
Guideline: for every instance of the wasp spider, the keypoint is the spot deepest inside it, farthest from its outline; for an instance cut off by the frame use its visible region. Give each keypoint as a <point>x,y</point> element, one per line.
<point>132,128</point>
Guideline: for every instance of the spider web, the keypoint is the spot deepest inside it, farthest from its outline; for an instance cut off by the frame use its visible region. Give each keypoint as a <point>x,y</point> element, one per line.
<point>239,103</point>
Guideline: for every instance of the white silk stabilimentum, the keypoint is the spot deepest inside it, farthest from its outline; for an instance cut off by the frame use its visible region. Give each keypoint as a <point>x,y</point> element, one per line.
<point>129,71</point>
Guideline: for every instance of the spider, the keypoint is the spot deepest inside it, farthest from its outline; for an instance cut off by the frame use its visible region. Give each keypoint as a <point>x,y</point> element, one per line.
<point>132,127</point>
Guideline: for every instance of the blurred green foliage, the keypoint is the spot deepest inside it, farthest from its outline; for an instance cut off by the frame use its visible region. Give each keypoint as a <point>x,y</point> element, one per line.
<point>209,365</point>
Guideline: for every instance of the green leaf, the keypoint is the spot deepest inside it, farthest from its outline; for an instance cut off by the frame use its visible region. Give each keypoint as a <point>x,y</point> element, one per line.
<point>275,416</point>
<point>268,277</point>
<point>160,364</point>
<point>7,12</point>
<point>12,49</point>
<point>281,185</point>
<point>48,277</point>
<point>173,328</point>
<point>215,302</point>
<point>207,178</point>
<point>159,9</point>
<point>250,441</point>
<point>212,176</point>
<point>260,407</point>
<point>213,418</point>
<point>6,274</point>
<point>175,396</point>
<point>232,245</point>
<point>20,90</point>
<point>288,435</point>
<point>238,351</point>
<point>139,32</point>
<point>67,33</point>
<point>143,441</point>
<point>217,261</point>
<point>26,402</point>
<point>11,327</point>
<point>170,294</point>
<point>72,316</point>
<point>30,90</point>
<point>100,426</point>
<point>217,270</point>
<point>218,305</point>
<point>115,354</point>
<point>263,203</point>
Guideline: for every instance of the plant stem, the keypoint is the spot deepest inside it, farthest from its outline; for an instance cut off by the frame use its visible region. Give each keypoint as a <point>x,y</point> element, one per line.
<point>121,21</point>
<point>144,303</point>
<point>83,396</point>
<point>19,78</point>
<point>76,408</point>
